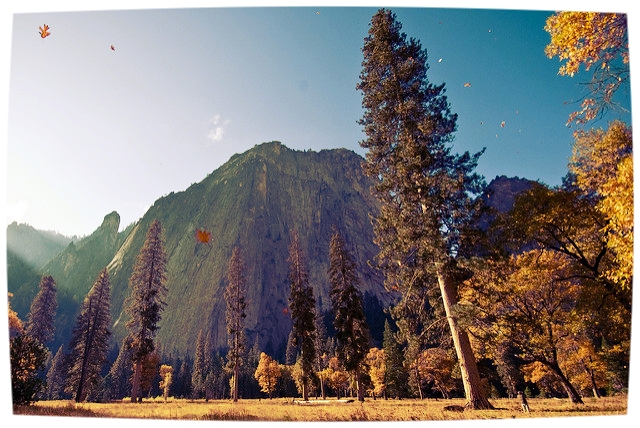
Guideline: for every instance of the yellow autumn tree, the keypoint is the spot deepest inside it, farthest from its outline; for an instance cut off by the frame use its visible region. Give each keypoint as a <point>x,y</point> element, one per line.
<point>375,360</point>
<point>267,374</point>
<point>339,378</point>
<point>602,164</point>
<point>15,324</point>
<point>599,43</point>
<point>530,302</point>
<point>436,366</point>
<point>166,377</point>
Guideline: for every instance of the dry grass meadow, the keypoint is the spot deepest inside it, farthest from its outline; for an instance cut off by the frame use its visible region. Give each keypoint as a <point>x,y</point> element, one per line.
<point>323,410</point>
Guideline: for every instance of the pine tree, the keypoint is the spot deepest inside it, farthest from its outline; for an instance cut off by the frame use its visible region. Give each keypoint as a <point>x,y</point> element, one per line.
<point>235,297</point>
<point>352,332</point>
<point>89,342</point>
<point>396,376</point>
<point>302,305</point>
<point>198,374</point>
<point>291,353</point>
<point>322,349</point>
<point>146,302</point>
<point>56,376</point>
<point>425,191</point>
<point>41,315</point>
<point>118,385</point>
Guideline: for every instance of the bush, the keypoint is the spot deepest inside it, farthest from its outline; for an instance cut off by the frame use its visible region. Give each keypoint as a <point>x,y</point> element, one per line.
<point>28,357</point>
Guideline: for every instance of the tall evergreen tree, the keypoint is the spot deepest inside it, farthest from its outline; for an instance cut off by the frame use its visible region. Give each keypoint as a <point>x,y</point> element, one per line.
<point>425,191</point>
<point>41,315</point>
<point>118,379</point>
<point>352,332</point>
<point>302,305</point>
<point>199,373</point>
<point>56,376</point>
<point>146,302</point>
<point>322,349</point>
<point>396,377</point>
<point>234,295</point>
<point>89,344</point>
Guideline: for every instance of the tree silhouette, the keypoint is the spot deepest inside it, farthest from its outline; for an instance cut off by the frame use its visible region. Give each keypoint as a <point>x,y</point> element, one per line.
<point>352,332</point>
<point>89,342</point>
<point>146,302</point>
<point>41,315</point>
<point>302,305</point>
<point>234,295</point>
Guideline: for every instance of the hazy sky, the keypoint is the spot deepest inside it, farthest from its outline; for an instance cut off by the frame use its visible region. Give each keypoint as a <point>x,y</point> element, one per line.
<point>92,130</point>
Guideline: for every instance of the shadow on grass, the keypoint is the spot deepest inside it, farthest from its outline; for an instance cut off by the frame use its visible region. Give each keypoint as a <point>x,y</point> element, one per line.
<point>68,410</point>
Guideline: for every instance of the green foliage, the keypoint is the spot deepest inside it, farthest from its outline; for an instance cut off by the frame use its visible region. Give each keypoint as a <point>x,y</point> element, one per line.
<point>235,314</point>
<point>396,377</point>
<point>346,298</point>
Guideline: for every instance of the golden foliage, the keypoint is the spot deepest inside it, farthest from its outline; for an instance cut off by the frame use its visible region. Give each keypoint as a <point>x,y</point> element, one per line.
<point>602,163</point>
<point>15,324</point>
<point>267,373</point>
<point>595,41</point>
<point>377,368</point>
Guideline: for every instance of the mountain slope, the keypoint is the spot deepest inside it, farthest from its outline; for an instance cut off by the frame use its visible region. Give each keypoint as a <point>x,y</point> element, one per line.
<point>34,247</point>
<point>253,201</point>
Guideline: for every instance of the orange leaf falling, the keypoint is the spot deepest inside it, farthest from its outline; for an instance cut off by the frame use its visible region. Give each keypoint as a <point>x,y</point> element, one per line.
<point>44,31</point>
<point>203,236</point>
<point>467,85</point>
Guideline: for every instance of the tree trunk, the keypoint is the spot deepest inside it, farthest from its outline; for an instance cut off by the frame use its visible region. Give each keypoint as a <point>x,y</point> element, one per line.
<point>236,375</point>
<point>592,378</point>
<point>137,373</point>
<point>571,391</point>
<point>476,397</point>
<point>359,384</point>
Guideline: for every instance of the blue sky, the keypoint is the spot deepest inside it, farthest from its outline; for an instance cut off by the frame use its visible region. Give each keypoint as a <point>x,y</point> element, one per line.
<point>92,130</point>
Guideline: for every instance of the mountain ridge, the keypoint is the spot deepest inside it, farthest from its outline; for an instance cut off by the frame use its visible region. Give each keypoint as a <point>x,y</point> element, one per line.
<point>253,201</point>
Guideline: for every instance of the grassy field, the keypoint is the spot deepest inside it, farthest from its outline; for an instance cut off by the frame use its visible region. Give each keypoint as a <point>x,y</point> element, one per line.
<point>323,410</point>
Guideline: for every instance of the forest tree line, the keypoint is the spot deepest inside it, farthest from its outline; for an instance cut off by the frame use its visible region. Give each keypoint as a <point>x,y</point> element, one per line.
<point>538,300</point>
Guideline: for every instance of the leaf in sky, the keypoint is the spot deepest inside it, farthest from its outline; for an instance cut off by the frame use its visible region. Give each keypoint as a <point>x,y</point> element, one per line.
<point>44,31</point>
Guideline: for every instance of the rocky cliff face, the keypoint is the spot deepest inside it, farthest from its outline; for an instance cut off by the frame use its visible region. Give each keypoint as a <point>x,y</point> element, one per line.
<point>253,201</point>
